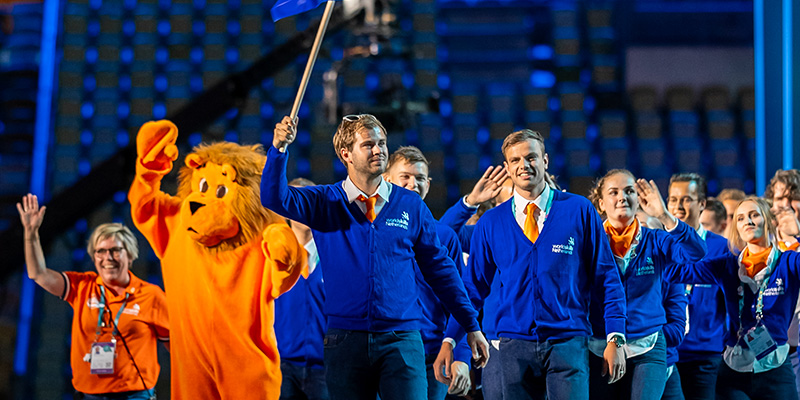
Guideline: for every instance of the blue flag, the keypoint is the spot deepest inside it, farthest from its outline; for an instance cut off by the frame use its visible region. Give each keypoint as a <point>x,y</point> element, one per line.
<point>287,8</point>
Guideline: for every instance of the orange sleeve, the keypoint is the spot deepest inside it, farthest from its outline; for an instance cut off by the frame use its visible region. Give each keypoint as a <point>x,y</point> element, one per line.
<point>150,207</point>
<point>74,282</point>
<point>160,315</point>
<point>287,256</point>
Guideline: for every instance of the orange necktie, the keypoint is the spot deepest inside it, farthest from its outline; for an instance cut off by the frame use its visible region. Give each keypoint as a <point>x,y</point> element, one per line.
<point>370,204</point>
<point>531,229</point>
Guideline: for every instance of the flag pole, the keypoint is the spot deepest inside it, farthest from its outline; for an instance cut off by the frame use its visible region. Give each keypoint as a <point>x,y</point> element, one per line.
<point>312,58</point>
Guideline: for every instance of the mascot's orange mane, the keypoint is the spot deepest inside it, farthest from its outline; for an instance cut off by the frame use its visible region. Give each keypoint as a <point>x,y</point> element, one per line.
<point>248,161</point>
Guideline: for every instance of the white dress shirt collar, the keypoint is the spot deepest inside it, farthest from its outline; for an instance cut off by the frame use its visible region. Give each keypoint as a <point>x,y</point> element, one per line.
<point>352,192</point>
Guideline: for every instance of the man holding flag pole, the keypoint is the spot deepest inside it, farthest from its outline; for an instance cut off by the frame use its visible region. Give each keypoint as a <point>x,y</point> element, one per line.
<point>369,234</point>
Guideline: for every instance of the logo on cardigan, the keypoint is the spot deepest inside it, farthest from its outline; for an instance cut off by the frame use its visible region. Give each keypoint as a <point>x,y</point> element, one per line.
<point>401,222</point>
<point>776,291</point>
<point>565,248</point>
<point>647,269</point>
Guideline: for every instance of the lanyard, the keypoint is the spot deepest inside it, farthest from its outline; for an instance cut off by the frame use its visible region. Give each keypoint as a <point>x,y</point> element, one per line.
<point>103,309</point>
<point>759,300</point>
<point>545,210</point>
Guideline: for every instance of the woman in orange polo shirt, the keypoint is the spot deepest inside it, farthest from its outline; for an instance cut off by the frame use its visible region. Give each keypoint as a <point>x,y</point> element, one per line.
<point>118,318</point>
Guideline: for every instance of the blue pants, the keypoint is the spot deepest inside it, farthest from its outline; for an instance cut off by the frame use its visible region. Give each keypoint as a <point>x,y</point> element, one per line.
<point>436,390</point>
<point>361,365</point>
<point>302,383</point>
<point>673,390</point>
<point>492,375</point>
<point>135,395</point>
<point>553,369</point>
<point>644,377</point>
<point>699,378</point>
<point>774,384</point>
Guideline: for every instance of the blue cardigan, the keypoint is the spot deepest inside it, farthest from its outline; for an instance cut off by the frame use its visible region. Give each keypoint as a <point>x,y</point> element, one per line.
<point>643,277</point>
<point>434,314</point>
<point>675,302</point>
<point>457,215</point>
<point>545,287</point>
<point>300,324</point>
<point>780,296</point>
<point>707,313</point>
<point>369,267</point>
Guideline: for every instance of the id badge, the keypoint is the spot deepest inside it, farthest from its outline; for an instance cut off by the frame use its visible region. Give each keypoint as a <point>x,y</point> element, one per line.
<point>102,358</point>
<point>760,342</point>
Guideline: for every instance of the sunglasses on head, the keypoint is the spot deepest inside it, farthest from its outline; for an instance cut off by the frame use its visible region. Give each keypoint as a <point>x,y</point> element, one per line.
<point>353,117</point>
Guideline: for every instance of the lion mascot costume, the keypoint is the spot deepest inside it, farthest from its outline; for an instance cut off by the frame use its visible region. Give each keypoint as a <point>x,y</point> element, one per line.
<point>224,260</point>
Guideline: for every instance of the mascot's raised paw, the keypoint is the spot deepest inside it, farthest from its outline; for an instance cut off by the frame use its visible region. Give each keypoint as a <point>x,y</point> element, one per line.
<point>155,145</point>
<point>280,245</point>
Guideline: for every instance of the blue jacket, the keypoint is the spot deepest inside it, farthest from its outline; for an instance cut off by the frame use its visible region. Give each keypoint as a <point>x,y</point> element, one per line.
<point>780,296</point>
<point>465,237</point>
<point>707,313</point>
<point>434,314</point>
<point>300,324</point>
<point>457,215</point>
<point>643,277</point>
<point>369,267</point>
<point>675,303</point>
<point>545,287</point>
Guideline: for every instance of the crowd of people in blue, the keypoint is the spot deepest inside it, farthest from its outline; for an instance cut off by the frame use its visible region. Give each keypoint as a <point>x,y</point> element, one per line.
<point>520,291</point>
<point>527,291</point>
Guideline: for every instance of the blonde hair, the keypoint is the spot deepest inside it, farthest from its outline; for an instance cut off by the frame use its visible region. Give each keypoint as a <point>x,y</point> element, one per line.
<point>735,242</point>
<point>114,231</point>
<point>521,136</point>
<point>409,154</point>
<point>732,194</point>
<point>345,136</point>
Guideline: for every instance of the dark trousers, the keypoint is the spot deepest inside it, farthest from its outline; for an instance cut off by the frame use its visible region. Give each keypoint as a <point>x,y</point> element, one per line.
<point>134,395</point>
<point>699,378</point>
<point>553,369</point>
<point>361,365</point>
<point>673,390</point>
<point>302,383</point>
<point>492,376</point>
<point>644,379</point>
<point>774,384</point>
<point>436,390</point>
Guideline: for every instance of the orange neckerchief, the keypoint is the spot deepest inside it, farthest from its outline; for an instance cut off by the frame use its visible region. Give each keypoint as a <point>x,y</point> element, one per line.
<point>621,241</point>
<point>754,263</point>
<point>784,247</point>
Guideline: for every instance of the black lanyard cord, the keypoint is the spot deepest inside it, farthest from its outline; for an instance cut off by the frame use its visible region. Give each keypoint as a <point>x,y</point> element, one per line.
<point>125,343</point>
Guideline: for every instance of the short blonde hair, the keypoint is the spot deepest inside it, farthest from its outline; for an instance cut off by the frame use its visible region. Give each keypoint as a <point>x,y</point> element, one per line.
<point>409,154</point>
<point>345,136</point>
<point>735,242</point>
<point>732,194</point>
<point>522,136</point>
<point>116,231</point>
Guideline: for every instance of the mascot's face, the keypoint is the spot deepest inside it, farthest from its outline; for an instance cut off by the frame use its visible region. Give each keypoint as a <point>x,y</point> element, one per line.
<point>206,213</point>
